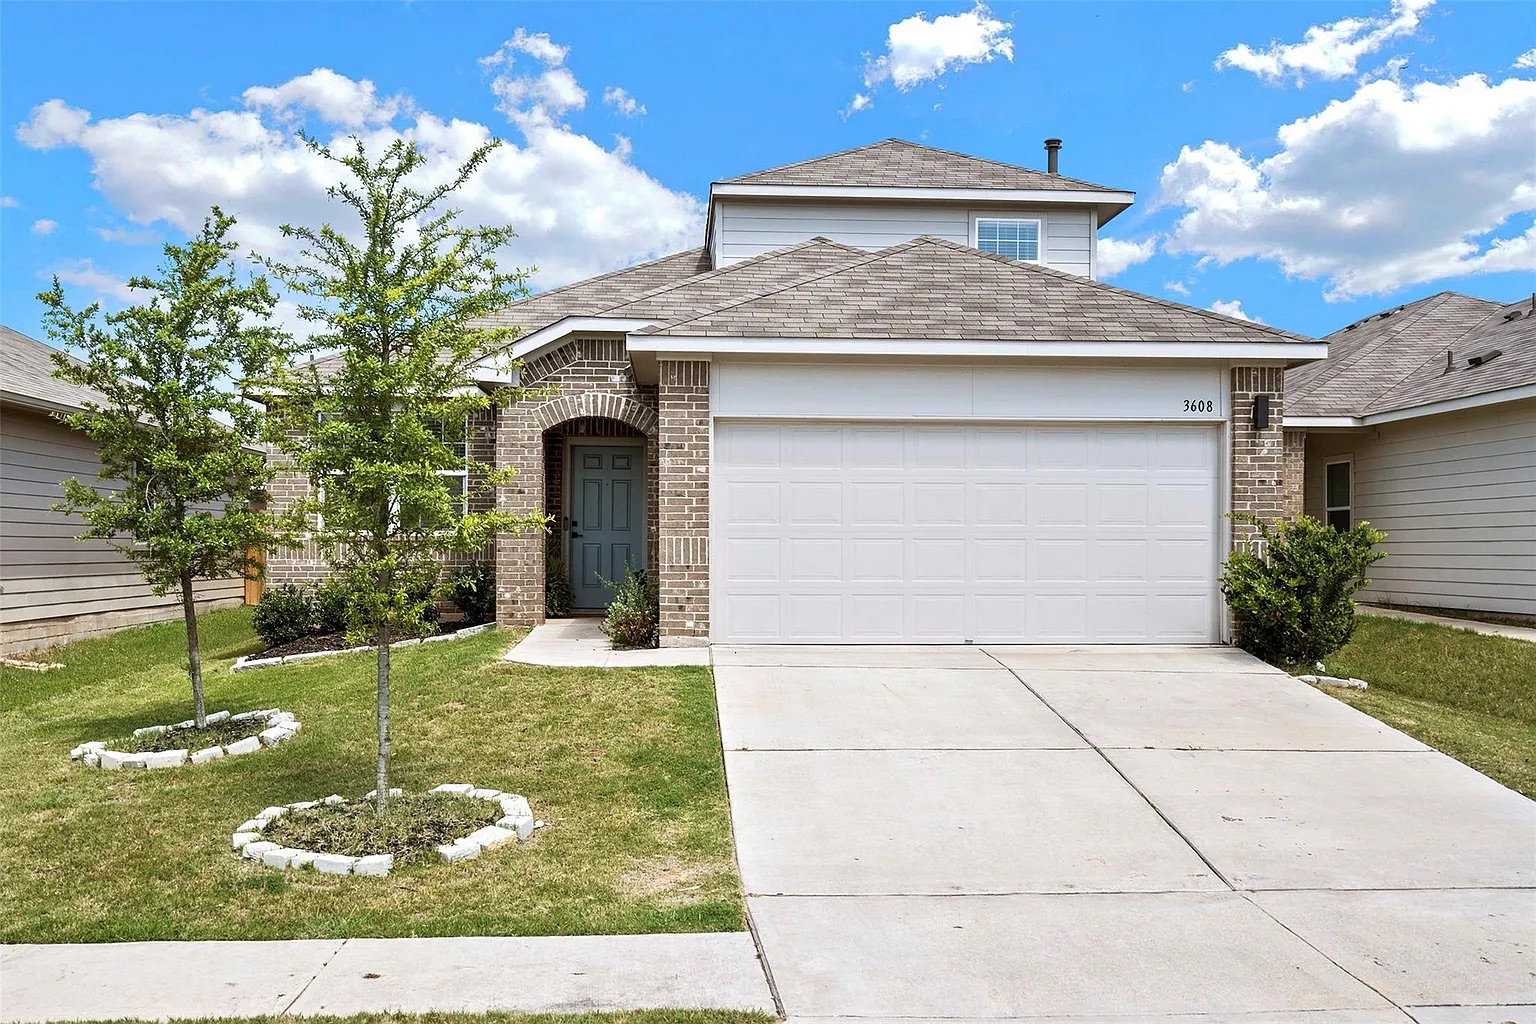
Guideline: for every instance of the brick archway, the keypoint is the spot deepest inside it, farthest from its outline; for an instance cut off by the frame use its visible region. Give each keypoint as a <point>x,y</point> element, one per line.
<point>596,405</point>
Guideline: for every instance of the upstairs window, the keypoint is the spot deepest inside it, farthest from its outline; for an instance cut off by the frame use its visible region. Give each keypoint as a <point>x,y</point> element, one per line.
<point>1339,493</point>
<point>1015,239</point>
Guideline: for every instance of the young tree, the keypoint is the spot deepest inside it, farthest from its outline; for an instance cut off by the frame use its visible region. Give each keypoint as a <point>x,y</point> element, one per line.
<point>394,296</point>
<point>181,490</point>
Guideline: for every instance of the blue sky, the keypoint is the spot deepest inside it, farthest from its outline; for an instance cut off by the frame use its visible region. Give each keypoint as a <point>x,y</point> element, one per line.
<point>1304,163</point>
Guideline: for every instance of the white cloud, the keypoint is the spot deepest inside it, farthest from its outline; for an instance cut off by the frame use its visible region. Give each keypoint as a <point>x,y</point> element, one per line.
<point>1232,309</point>
<point>83,274</point>
<point>623,102</point>
<point>1329,51</point>
<point>127,236</point>
<point>1393,186</point>
<point>336,98</point>
<point>44,226</point>
<point>579,208</point>
<point>1116,255</point>
<point>862,101</point>
<point>1177,287</point>
<point>543,96</point>
<point>1526,60</point>
<point>8,202</point>
<point>918,50</point>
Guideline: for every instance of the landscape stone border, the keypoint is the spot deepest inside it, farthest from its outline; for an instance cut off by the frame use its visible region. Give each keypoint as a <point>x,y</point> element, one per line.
<point>279,726</point>
<point>245,664</point>
<point>517,822</point>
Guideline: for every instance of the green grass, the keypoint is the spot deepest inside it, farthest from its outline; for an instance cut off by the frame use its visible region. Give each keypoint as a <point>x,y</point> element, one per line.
<point>625,765</point>
<point>631,1017</point>
<point>1471,696</point>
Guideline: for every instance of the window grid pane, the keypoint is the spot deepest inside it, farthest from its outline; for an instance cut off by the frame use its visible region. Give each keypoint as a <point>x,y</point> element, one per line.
<point>1338,485</point>
<point>1015,239</point>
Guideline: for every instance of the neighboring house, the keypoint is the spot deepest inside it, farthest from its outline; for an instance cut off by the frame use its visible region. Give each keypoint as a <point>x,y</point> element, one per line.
<point>886,401</point>
<point>54,587</point>
<point>1423,422</point>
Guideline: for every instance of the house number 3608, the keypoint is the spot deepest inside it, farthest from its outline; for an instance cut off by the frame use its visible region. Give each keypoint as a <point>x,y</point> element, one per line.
<point>1199,405</point>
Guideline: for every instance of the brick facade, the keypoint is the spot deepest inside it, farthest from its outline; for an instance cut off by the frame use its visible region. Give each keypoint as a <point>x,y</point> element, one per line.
<point>594,395</point>
<point>1266,464</point>
<point>308,564</point>
<point>683,408</point>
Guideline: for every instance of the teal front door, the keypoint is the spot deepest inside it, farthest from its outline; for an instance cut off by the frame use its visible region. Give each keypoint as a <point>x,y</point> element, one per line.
<point>607,519</point>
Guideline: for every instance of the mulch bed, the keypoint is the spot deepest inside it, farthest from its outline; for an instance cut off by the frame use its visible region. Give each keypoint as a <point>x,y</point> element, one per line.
<point>414,826</point>
<point>338,641</point>
<point>192,738</point>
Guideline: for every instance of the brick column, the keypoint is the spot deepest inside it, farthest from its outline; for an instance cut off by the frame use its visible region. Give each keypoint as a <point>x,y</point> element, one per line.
<point>520,557</point>
<point>682,402</point>
<point>1261,464</point>
<point>1295,471</point>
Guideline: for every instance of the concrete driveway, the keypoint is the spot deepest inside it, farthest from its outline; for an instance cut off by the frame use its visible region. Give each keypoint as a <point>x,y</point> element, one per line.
<point>1113,835</point>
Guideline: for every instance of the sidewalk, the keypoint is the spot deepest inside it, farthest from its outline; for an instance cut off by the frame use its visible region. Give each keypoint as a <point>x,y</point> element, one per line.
<point>1485,628</point>
<point>554,974</point>
<point>580,642</point>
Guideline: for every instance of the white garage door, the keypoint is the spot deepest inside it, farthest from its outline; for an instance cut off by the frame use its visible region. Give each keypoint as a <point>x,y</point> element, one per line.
<point>876,533</point>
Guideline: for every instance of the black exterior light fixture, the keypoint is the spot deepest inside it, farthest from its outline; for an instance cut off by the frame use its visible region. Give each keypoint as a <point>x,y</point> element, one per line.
<point>1260,412</point>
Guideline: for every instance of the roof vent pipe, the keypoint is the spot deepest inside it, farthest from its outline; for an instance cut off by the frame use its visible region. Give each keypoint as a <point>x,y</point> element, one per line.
<point>1052,155</point>
<point>1449,365</point>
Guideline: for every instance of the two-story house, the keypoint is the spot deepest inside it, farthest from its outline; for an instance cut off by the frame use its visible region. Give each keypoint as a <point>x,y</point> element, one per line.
<point>887,401</point>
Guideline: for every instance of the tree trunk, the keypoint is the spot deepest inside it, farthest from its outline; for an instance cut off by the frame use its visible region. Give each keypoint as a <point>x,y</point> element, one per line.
<point>194,659</point>
<point>381,782</point>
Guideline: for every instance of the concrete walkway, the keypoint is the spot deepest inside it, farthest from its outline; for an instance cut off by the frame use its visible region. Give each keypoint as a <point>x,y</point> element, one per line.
<point>581,642</point>
<point>158,980</point>
<point>1113,835</point>
<point>1485,628</point>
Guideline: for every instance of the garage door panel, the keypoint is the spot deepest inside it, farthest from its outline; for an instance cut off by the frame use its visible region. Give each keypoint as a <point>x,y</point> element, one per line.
<point>950,533</point>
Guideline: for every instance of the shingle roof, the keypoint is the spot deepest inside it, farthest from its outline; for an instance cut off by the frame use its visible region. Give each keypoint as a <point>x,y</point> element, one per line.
<point>931,288</point>
<point>595,294</point>
<point>896,162</point>
<point>1396,359</point>
<point>26,376</point>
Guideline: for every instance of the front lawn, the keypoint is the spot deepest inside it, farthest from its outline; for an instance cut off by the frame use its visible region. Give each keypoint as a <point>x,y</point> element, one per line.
<point>1471,696</point>
<point>624,764</point>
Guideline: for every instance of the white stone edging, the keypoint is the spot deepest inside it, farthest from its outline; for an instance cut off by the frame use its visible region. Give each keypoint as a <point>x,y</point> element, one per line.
<point>517,822</point>
<point>1350,683</point>
<point>245,664</point>
<point>280,726</point>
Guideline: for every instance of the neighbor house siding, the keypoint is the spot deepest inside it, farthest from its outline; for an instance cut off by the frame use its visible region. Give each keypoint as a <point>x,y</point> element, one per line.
<point>1456,495</point>
<point>53,587</point>
<point>749,228</point>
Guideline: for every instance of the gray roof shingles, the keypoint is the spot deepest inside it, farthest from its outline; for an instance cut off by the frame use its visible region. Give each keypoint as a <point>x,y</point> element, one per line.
<point>26,376</point>
<point>1396,359</point>
<point>595,294</point>
<point>931,288</point>
<point>898,163</point>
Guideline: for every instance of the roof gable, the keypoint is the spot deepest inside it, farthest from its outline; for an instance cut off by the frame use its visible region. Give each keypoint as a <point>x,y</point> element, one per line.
<point>898,163</point>
<point>933,289</point>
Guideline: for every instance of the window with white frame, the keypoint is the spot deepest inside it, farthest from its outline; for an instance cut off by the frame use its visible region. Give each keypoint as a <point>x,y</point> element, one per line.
<point>1016,239</point>
<point>455,437</point>
<point>1338,493</point>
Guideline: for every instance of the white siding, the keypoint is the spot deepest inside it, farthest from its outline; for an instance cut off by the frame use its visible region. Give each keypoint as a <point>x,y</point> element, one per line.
<point>53,587</point>
<point>1457,496</point>
<point>749,228</point>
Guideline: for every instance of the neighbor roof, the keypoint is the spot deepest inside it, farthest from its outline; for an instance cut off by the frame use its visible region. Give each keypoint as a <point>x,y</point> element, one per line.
<point>898,163</point>
<point>1396,359</point>
<point>26,376</point>
<point>930,288</point>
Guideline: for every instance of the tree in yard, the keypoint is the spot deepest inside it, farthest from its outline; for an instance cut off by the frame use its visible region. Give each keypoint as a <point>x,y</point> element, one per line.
<point>181,490</point>
<point>379,425</point>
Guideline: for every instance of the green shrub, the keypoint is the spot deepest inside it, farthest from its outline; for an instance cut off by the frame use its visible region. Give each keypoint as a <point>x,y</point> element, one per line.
<point>333,607</point>
<point>1291,600</point>
<point>473,591</point>
<point>634,617</point>
<point>558,595</point>
<point>284,613</point>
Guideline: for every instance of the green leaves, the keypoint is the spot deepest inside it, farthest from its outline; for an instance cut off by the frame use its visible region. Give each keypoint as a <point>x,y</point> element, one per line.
<point>180,487</point>
<point>1291,600</point>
